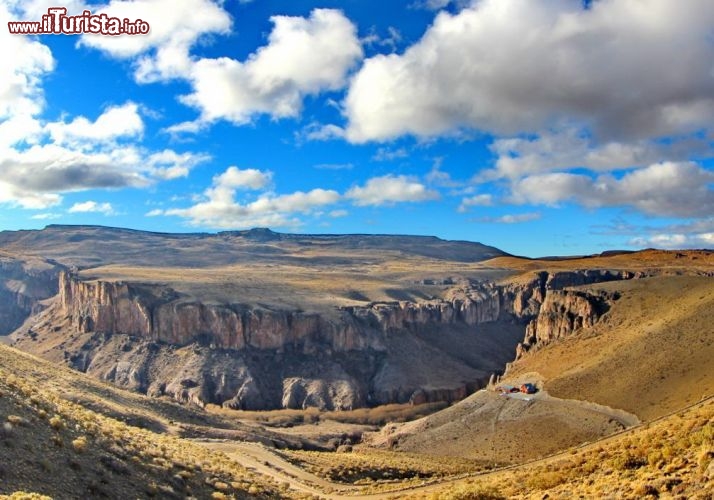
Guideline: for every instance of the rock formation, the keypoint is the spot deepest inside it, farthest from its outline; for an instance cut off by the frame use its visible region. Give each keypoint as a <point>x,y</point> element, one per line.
<point>151,339</point>
<point>23,285</point>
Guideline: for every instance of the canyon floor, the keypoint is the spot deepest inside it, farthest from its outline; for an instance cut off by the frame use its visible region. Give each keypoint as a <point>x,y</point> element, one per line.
<point>624,407</point>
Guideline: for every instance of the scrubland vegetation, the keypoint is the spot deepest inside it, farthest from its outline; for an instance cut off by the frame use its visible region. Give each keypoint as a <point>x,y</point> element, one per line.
<point>673,457</point>
<point>52,446</point>
<point>380,415</point>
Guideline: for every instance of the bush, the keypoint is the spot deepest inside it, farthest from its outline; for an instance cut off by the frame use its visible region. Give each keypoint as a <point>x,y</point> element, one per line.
<point>80,444</point>
<point>546,480</point>
<point>472,492</point>
<point>57,423</point>
<point>628,462</point>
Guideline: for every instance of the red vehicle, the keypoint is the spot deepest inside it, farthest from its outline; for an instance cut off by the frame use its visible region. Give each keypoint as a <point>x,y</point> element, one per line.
<point>528,389</point>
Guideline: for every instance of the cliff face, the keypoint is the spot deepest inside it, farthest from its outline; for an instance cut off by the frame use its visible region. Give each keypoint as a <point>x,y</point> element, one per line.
<point>22,286</point>
<point>258,358</point>
<point>562,313</point>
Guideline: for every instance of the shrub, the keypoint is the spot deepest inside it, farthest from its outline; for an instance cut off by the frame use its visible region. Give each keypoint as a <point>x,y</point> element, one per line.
<point>472,492</point>
<point>57,423</point>
<point>80,444</point>
<point>546,480</point>
<point>15,420</point>
<point>628,462</point>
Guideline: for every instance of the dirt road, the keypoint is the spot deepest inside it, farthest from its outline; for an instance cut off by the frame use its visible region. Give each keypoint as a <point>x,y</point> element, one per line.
<point>263,460</point>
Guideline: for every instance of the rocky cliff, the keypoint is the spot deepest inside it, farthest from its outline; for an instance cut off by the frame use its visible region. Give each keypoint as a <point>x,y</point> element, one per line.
<point>151,339</point>
<point>23,285</point>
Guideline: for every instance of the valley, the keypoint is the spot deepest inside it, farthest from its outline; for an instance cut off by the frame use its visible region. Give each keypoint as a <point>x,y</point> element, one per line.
<point>355,366</point>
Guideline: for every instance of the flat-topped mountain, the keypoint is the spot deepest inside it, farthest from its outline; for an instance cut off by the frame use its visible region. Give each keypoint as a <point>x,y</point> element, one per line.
<point>88,246</point>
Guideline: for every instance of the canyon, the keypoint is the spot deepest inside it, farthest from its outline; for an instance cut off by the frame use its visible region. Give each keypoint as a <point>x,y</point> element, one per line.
<point>271,331</point>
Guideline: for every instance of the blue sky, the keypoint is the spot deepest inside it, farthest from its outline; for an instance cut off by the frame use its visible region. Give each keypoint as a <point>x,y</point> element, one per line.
<point>543,127</point>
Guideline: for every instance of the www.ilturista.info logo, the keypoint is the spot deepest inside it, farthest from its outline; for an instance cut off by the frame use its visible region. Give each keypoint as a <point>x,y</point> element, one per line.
<point>57,22</point>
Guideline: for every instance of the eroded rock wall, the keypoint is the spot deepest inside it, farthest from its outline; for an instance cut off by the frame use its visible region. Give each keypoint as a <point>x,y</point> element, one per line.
<point>374,354</point>
<point>23,286</point>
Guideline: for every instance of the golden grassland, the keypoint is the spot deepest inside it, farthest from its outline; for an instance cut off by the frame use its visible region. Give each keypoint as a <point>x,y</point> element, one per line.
<point>53,446</point>
<point>669,458</point>
<point>686,260</point>
<point>651,354</point>
<point>306,286</point>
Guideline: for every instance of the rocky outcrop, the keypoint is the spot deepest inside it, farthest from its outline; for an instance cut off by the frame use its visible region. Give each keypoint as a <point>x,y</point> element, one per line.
<point>565,311</point>
<point>23,285</point>
<point>252,357</point>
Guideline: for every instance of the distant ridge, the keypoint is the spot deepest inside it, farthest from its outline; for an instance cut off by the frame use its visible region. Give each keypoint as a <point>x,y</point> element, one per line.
<point>92,245</point>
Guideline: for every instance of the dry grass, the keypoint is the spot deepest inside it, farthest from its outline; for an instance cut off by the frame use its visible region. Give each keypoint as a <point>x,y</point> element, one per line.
<point>79,451</point>
<point>673,260</point>
<point>668,458</point>
<point>377,416</point>
<point>651,354</point>
<point>365,466</point>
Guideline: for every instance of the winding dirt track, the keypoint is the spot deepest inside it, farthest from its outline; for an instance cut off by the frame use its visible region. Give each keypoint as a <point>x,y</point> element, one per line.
<point>257,457</point>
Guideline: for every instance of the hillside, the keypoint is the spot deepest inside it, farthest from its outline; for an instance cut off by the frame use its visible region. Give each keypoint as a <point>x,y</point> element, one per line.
<point>671,458</point>
<point>640,357</point>
<point>662,326</point>
<point>123,447</point>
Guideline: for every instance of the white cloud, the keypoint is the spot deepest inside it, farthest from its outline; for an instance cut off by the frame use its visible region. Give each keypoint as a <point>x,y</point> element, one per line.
<point>675,241</point>
<point>388,154</point>
<point>565,149</point>
<point>114,123</point>
<point>218,208</point>
<point>92,206</point>
<point>319,132</point>
<point>304,56</point>
<point>512,66</point>
<point>46,216</point>
<point>168,164</point>
<point>24,62</point>
<point>175,28</point>
<point>41,160</point>
<point>390,189</point>
<point>34,177</point>
<point>512,218</point>
<point>665,189</point>
<point>338,213</point>
<point>479,200</point>
<point>27,198</point>
<point>250,178</point>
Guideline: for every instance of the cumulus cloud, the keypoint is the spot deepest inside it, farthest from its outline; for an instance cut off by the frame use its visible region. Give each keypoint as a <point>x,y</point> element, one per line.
<point>35,177</point>
<point>513,66</point>
<point>570,148</point>
<point>175,28</point>
<point>42,160</point>
<point>114,123</point>
<point>92,206</point>
<point>219,207</point>
<point>390,189</point>
<point>24,62</point>
<point>304,56</point>
<point>675,240</point>
<point>664,189</point>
